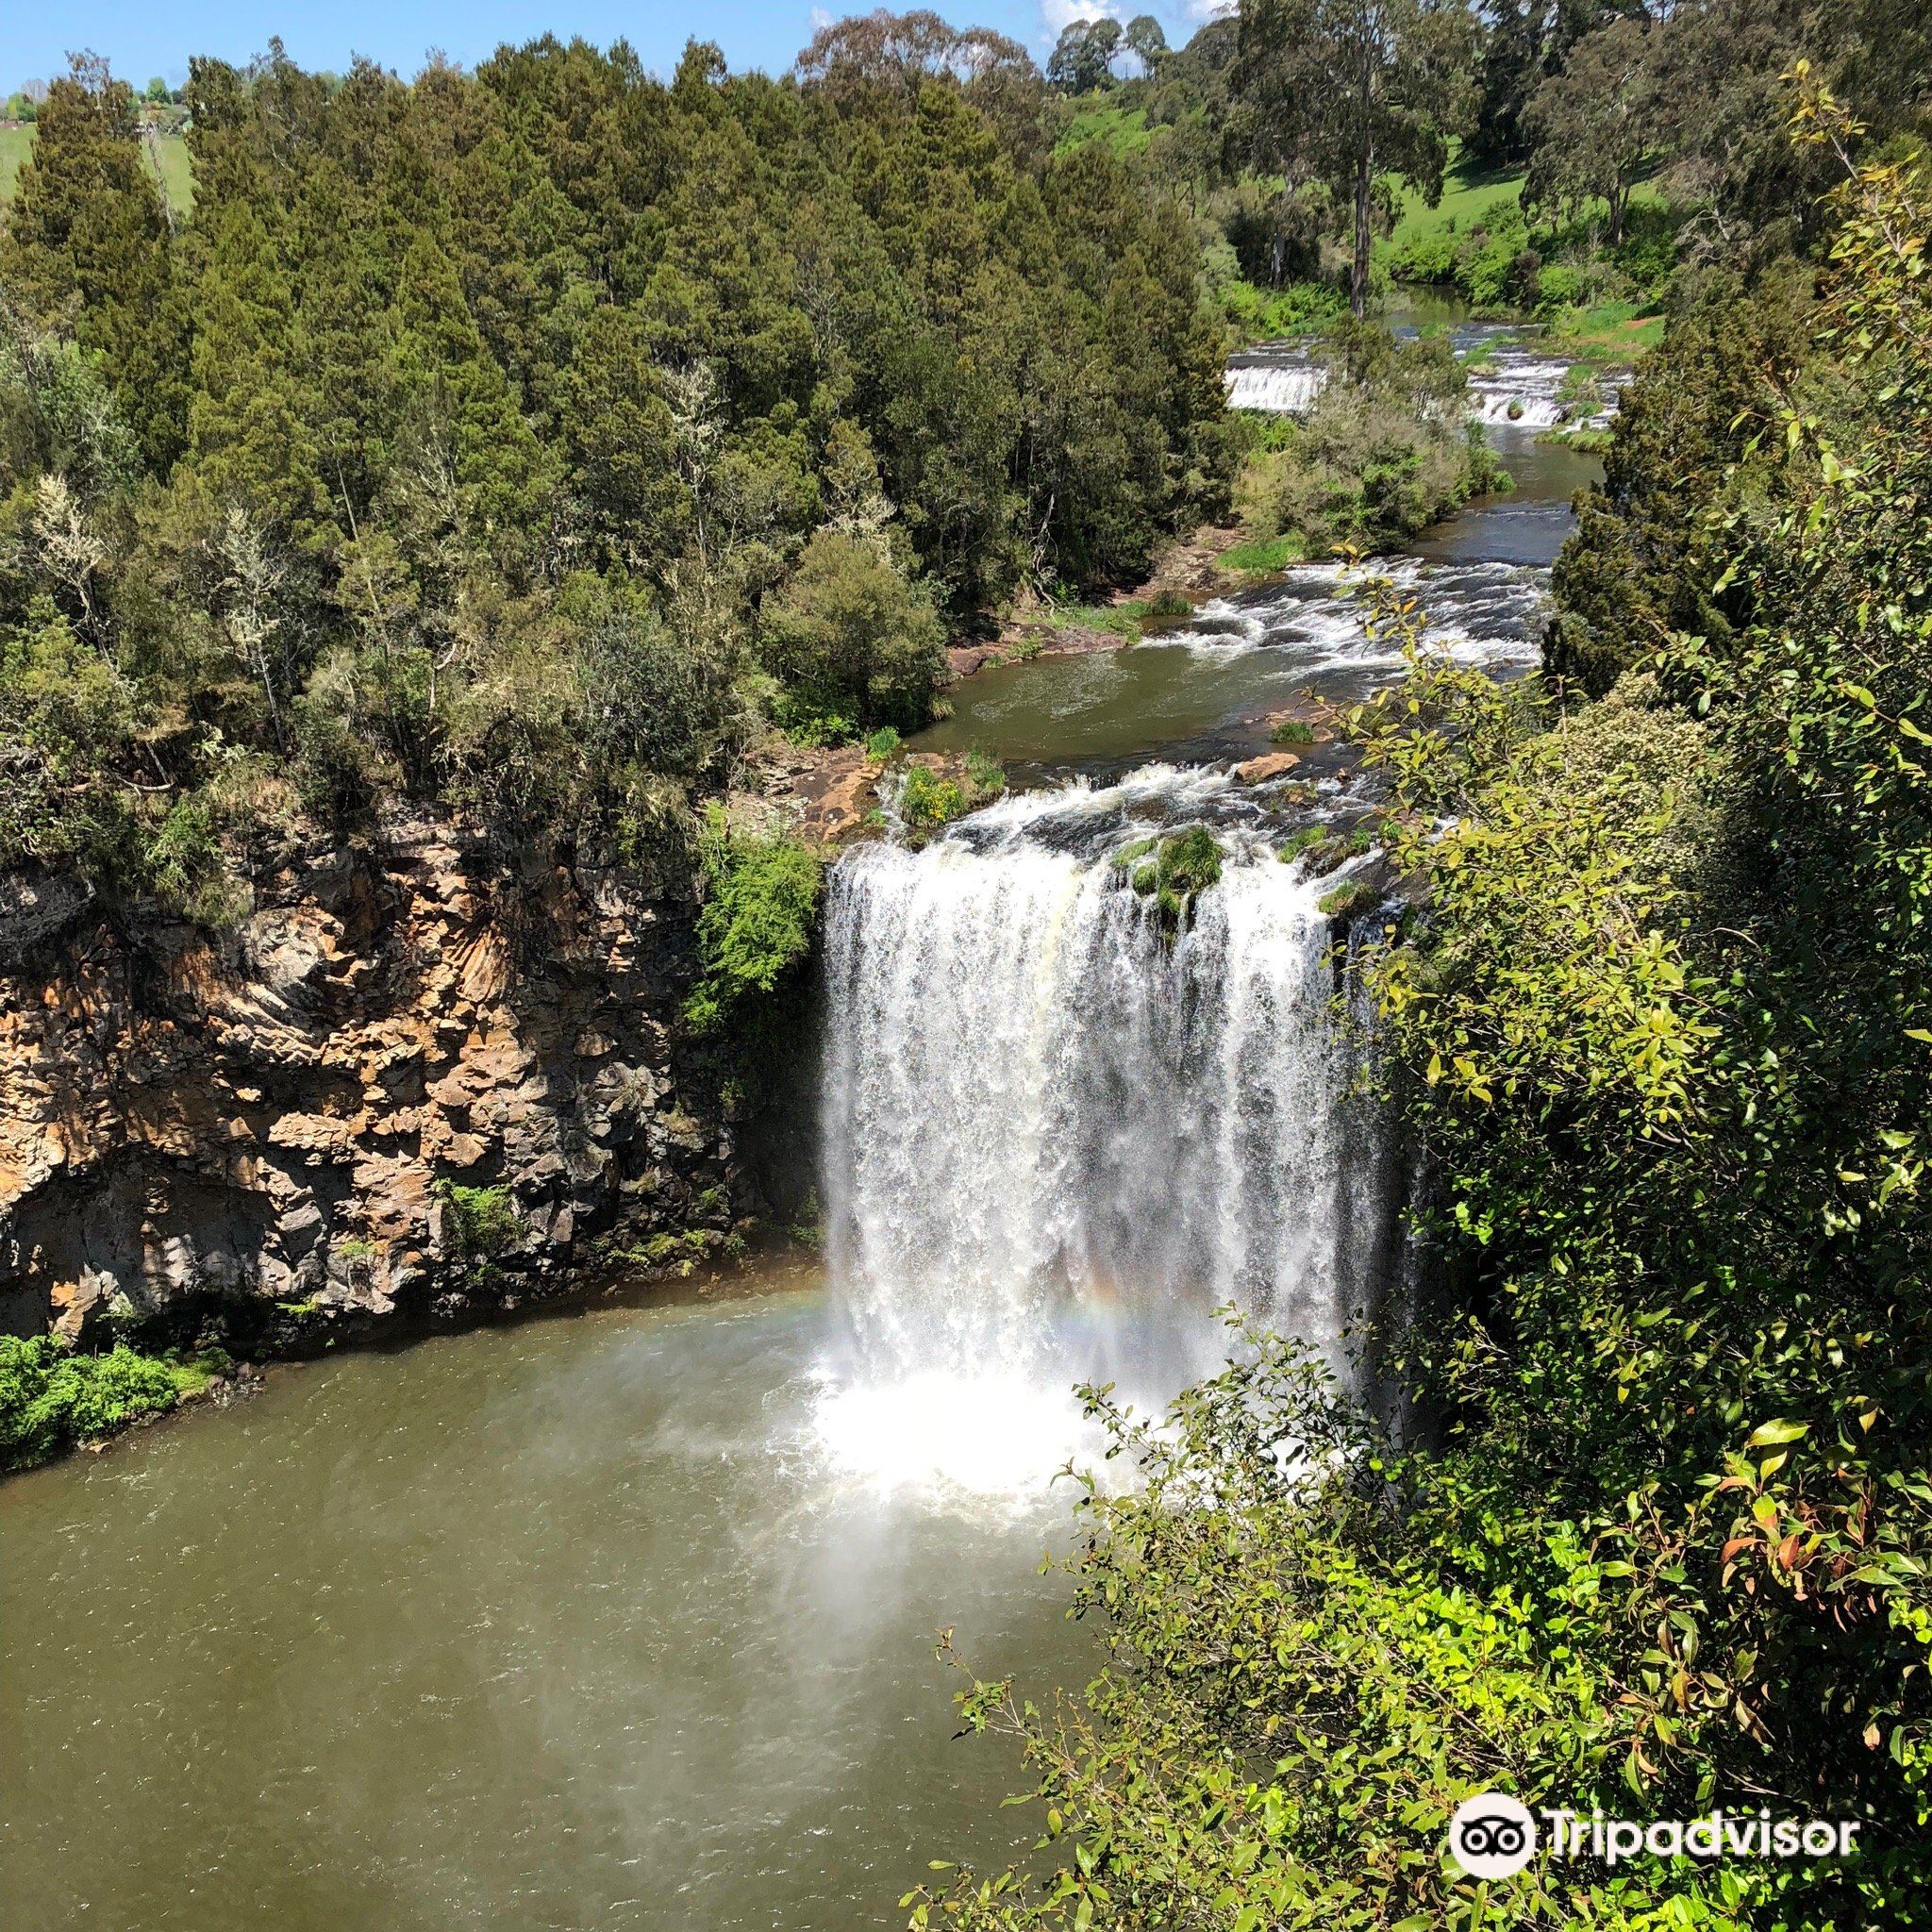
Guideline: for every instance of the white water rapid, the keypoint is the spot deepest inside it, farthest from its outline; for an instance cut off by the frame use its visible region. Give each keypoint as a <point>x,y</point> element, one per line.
<point>1055,1139</point>
<point>1509,385</point>
<point>1276,389</point>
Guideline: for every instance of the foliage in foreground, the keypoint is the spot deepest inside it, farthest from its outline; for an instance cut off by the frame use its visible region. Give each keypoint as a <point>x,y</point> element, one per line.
<point>1663,1038</point>
<point>1296,1695</point>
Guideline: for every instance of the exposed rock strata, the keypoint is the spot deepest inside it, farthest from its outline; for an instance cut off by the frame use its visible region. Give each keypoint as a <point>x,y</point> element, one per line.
<point>257,1132</point>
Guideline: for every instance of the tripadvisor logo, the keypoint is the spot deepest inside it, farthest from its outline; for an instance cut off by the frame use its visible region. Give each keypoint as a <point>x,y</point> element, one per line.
<point>1493,1835</point>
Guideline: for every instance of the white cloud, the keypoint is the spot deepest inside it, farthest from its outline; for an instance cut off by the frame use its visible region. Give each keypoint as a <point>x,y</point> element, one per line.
<point>1180,17</point>
<point>1057,15</point>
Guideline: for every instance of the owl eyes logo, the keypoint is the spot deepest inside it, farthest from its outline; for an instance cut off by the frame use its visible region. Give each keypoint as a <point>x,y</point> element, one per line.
<point>1492,1835</point>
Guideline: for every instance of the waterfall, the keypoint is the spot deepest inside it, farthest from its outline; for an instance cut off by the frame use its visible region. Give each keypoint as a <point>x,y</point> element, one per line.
<point>1513,386</point>
<point>1278,389</point>
<point>1054,1137</point>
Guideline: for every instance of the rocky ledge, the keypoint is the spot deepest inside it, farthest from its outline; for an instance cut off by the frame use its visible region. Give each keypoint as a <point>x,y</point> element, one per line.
<point>406,1082</point>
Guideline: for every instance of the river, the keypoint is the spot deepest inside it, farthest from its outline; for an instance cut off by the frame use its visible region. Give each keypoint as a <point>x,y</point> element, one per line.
<point>625,1617</point>
<point>581,1622</point>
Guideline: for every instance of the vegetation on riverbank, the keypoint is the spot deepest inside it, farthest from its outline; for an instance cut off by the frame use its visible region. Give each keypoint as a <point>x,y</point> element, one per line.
<point>1386,451</point>
<point>756,927</point>
<point>53,1397</point>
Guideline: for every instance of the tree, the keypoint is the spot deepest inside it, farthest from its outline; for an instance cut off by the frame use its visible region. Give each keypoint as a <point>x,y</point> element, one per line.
<point>1596,122</point>
<point>512,412</point>
<point>851,640</point>
<point>1146,41</point>
<point>900,50</point>
<point>87,241</point>
<point>1082,59</point>
<point>1347,92</point>
<point>1516,44</point>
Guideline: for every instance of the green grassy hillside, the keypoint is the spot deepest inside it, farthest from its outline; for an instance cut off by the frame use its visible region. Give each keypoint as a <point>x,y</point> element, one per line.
<point>1468,190</point>
<point>16,143</point>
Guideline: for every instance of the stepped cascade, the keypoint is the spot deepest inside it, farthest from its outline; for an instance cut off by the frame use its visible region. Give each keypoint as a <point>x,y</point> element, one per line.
<point>1510,385</point>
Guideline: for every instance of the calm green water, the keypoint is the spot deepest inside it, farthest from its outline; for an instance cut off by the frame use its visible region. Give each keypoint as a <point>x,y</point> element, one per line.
<point>564,1625</point>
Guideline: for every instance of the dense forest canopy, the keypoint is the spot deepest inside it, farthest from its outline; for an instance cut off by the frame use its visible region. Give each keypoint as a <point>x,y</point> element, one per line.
<point>523,435</point>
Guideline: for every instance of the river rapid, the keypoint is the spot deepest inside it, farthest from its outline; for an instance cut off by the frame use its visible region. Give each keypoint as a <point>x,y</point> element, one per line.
<point>625,1617</point>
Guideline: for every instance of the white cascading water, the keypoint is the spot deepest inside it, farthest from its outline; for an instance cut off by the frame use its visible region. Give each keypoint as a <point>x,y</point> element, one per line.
<point>1055,1139</point>
<point>1278,389</point>
<point>1512,387</point>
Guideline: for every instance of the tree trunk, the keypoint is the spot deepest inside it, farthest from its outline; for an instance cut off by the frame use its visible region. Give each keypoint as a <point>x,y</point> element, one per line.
<point>1358,268</point>
<point>1620,201</point>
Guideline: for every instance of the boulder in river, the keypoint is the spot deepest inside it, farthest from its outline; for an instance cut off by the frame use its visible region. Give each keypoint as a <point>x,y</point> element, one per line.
<point>1271,764</point>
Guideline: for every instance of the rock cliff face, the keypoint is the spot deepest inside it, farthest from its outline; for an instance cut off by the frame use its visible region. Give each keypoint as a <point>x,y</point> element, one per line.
<point>258,1134</point>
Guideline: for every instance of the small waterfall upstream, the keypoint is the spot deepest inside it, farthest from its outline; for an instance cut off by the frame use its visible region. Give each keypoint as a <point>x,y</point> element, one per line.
<point>1509,386</point>
<point>1056,1137</point>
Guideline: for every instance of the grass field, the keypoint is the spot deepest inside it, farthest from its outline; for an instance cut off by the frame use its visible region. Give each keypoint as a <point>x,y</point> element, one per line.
<point>16,143</point>
<point>1124,129</point>
<point>1613,332</point>
<point>1467,192</point>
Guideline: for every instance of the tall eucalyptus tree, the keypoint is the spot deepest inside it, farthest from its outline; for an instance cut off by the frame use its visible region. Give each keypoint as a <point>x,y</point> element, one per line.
<point>1349,92</point>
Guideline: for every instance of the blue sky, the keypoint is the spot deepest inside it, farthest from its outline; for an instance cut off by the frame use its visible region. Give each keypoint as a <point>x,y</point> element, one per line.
<point>151,38</point>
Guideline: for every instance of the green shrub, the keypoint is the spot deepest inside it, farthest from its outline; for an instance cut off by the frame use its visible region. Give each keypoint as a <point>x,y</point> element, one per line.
<point>851,637</point>
<point>483,1221</point>
<point>1262,314</point>
<point>1426,257</point>
<point>1350,899</point>
<point>1266,554</point>
<point>986,777</point>
<point>928,801</point>
<point>1183,866</point>
<point>51,1397</point>
<point>1558,286</point>
<point>1292,731</point>
<point>809,728</point>
<point>883,745</point>
<point>757,923</point>
<point>809,1230</point>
